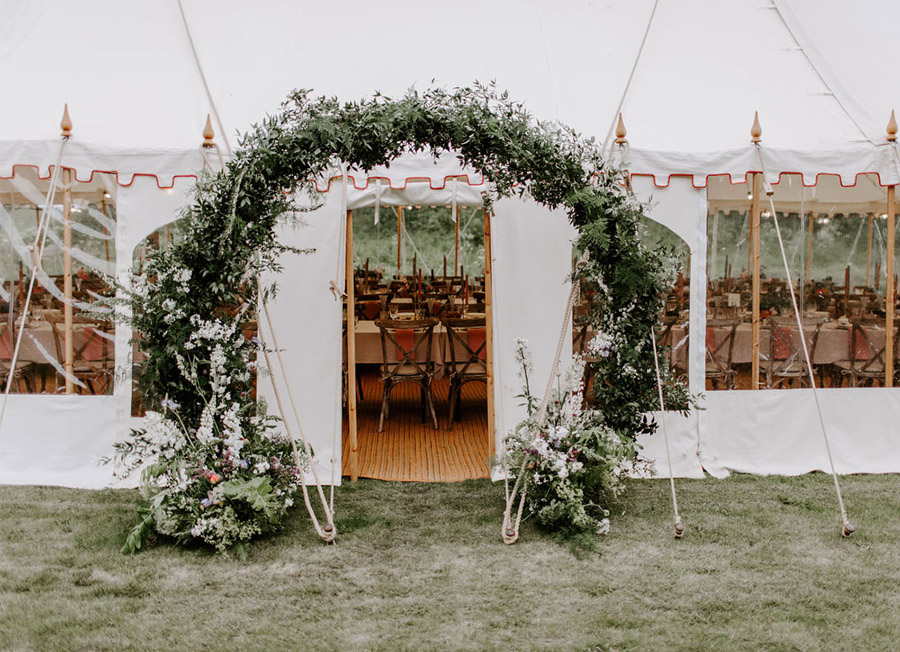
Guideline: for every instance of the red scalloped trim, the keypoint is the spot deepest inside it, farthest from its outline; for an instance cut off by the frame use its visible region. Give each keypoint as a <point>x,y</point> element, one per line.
<point>90,179</point>
<point>464,178</point>
<point>746,178</point>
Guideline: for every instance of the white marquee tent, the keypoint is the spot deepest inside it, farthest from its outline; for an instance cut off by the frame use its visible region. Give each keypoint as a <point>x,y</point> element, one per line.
<point>141,77</point>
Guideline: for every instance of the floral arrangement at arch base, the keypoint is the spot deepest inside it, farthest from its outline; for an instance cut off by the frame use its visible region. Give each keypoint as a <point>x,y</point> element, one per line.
<point>230,478</point>
<point>574,463</point>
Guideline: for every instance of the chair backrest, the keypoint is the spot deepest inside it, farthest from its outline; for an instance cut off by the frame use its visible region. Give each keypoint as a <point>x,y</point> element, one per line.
<point>784,341</point>
<point>93,346</point>
<point>468,344</point>
<point>720,335</point>
<point>406,343</point>
<point>863,351</point>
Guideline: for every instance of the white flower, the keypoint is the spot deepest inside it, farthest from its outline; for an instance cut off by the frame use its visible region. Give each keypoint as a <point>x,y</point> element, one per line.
<point>603,527</point>
<point>523,355</point>
<point>601,345</point>
<point>260,467</point>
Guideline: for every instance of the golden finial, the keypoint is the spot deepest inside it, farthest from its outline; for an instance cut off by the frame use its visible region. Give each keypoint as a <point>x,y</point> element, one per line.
<point>620,132</point>
<point>208,133</point>
<point>66,123</point>
<point>755,130</point>
<point>892,128</point>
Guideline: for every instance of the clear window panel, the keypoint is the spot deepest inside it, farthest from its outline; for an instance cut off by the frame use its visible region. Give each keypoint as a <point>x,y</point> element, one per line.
<point>79,275</point>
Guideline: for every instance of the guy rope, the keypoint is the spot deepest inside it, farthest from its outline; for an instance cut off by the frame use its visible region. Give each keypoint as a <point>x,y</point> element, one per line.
<point>848,528</point>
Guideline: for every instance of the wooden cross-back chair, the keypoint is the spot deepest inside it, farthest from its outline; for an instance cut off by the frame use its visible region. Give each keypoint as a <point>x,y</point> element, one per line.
<point>786,364</point>
<point>21,375</point>
<point>406,347</point>
<point>467,341</point>
<point>865,365</point>
<point>720,351</point>
<point>92,361</point>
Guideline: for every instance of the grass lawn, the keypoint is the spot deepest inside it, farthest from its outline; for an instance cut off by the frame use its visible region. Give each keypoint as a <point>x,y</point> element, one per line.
<point>421,567</point>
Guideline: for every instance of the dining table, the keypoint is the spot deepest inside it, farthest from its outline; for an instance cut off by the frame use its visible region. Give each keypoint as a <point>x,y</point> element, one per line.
<point>832,346</point>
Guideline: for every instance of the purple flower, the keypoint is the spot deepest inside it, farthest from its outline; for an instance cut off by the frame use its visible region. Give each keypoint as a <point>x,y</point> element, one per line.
<point>255,341</point>
<point>169,404</point>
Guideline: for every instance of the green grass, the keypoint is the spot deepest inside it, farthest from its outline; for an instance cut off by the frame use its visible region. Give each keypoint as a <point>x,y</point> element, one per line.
<point>421,567</point>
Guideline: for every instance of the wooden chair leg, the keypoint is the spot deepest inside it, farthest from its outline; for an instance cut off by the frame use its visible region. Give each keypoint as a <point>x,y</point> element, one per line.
<point>450,399</point>
<point>430,403</point>
<point>385,406</point>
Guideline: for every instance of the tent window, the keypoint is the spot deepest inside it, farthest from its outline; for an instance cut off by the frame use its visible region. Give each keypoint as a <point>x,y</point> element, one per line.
<point>41,363</point>
<point>834,239</point>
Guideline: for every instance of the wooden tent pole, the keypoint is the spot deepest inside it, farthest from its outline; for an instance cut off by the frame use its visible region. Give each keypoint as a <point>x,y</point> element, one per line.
<point>889,291</point>
<point>489,329</point>
<point>889,300</point>
<point>869,251</point>
<point>754,248</point>
<point>711,273</point>
<point>351,353</point>
<point>456,229</point>
<point>750,240</point>
<point>399,235</point>
<point>105,230</point>
<point>67,282</point>
<point>809,247</point>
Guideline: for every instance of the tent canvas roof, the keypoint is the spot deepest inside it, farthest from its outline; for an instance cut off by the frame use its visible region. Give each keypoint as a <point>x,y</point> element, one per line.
<point>135,75</point>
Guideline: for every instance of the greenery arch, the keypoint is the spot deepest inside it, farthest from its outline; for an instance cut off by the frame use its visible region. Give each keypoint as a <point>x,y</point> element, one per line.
<point>223,475</point>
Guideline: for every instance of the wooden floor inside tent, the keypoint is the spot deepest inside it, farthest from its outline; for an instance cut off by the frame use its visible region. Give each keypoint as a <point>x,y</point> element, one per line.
<point>410,450</point>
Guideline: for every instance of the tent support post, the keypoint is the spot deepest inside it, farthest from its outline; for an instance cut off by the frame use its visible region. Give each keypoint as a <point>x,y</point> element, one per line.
<point>809,248</point>
<point>869,251</point>
<point>105,231</point>
<point>489,329</point>
<point>399,235</point>
<point>351,353</point>
<point>754,249</point>
<point>456,240</point>
<point>67,282</point>
<point>889,291</point>
<point>711,273</point>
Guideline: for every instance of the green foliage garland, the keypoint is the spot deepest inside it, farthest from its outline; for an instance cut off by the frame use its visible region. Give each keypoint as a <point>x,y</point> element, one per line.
<point>222,474</point>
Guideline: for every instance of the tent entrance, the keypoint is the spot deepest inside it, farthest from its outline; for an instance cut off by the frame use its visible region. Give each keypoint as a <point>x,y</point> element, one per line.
<point>409,447</point>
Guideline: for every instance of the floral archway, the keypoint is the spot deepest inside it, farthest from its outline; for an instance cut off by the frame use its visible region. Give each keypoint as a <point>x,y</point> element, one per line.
<point>222,472</point>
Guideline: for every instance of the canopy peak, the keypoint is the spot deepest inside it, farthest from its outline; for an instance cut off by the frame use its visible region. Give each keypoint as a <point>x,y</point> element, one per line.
<point>66,123</point>
<point>756,129</point>
<point>208,133</point>
<point>621,132</point>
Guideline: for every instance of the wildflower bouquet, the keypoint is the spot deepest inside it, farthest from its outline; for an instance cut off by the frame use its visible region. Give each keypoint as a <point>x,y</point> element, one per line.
<point>231,475</point>
<point>572,463</point>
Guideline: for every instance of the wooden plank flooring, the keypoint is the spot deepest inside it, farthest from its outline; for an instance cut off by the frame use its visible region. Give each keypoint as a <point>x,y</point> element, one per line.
<point>409,450</point>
